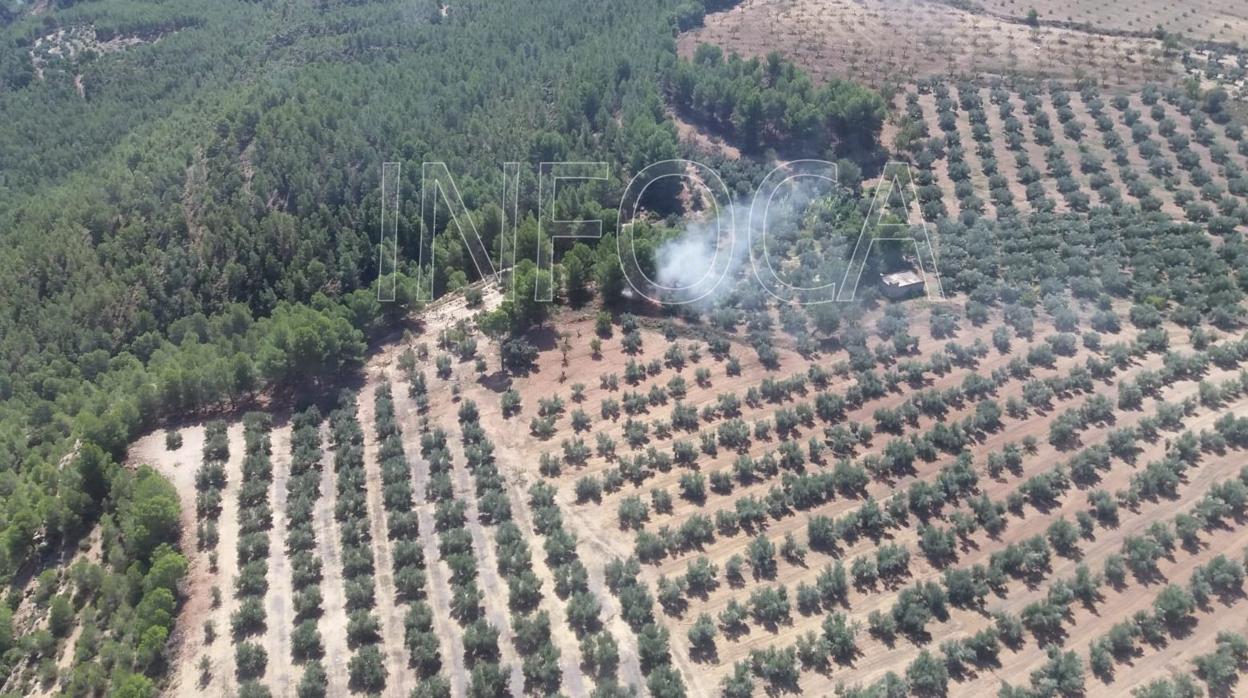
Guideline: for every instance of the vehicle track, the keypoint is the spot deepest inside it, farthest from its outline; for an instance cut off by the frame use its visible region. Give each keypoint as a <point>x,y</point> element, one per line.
<point>281,588</point>
<point>518,480</point>
<point>333,621</point>
<point>630,665</point>
<point>575,683</point>
<point>227,564</point>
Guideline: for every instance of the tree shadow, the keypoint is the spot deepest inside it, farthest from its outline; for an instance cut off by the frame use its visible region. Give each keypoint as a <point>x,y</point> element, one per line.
<point>705,655</point>
<point>498,381</point>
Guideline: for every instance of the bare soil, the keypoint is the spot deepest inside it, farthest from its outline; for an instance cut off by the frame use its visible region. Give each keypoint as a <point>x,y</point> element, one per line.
<point>1199,20</point>
<point>878,41</point>
<point>333,621</point>
<point>279,614</point>
<point>600,538</point>
<point>438,573</point>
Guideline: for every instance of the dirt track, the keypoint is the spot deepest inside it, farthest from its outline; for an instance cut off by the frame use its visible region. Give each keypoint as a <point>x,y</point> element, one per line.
<point>179,467</point>
<point>333,621</point>
<point>510,443</point>
<point>280,615</point>
<point>227,562</point>
<point>575,683</point>
<point>519,481</point>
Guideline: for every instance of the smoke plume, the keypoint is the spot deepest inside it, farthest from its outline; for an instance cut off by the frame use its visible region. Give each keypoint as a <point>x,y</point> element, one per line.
<point>707,259</point>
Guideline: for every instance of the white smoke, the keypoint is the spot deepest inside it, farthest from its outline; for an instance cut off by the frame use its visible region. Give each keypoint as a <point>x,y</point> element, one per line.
<point>700,264</point>
<point>704,262</point>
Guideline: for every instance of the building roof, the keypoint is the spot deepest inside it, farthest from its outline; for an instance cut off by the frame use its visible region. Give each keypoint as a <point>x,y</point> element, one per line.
<point>902,278</point>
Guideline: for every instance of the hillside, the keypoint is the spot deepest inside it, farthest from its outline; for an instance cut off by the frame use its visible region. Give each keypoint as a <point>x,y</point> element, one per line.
<point>676,348</point>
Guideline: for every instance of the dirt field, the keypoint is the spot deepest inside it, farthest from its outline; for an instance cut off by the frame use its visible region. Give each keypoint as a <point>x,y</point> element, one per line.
<point>601,538</point>
<point>598,525</point>
<point>982,137</point>
<point>1202,20</point>
<point>281,592</point>
<point>335,616</point>
<point>400,678</point>
<point>876,41</point>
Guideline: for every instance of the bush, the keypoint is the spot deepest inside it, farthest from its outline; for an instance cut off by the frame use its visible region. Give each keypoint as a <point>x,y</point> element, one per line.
<point>315,682</point>
<point>367,670</point>
<point>306,641</point>
<point>250,661</point>
<point>1174,606</point>
<point>702,636</point>
<point>60,616</point>
<point>927,676</point>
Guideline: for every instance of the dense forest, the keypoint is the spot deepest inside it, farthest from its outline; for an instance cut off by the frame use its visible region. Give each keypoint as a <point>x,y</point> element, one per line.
<point>144,250</point>
<point>772,103</point>
<point>190,204</point>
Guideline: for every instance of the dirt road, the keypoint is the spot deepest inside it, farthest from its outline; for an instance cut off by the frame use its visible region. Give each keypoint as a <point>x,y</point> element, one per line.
<point>280,616</point>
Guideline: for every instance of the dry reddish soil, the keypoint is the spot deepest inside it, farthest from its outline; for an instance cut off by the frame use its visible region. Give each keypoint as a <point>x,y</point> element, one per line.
<point>437,585</point>
<point>600,538</point>
<point>595,522</point>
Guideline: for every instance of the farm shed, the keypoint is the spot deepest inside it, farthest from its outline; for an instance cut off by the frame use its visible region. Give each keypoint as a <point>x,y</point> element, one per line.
<point>902,284</point>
